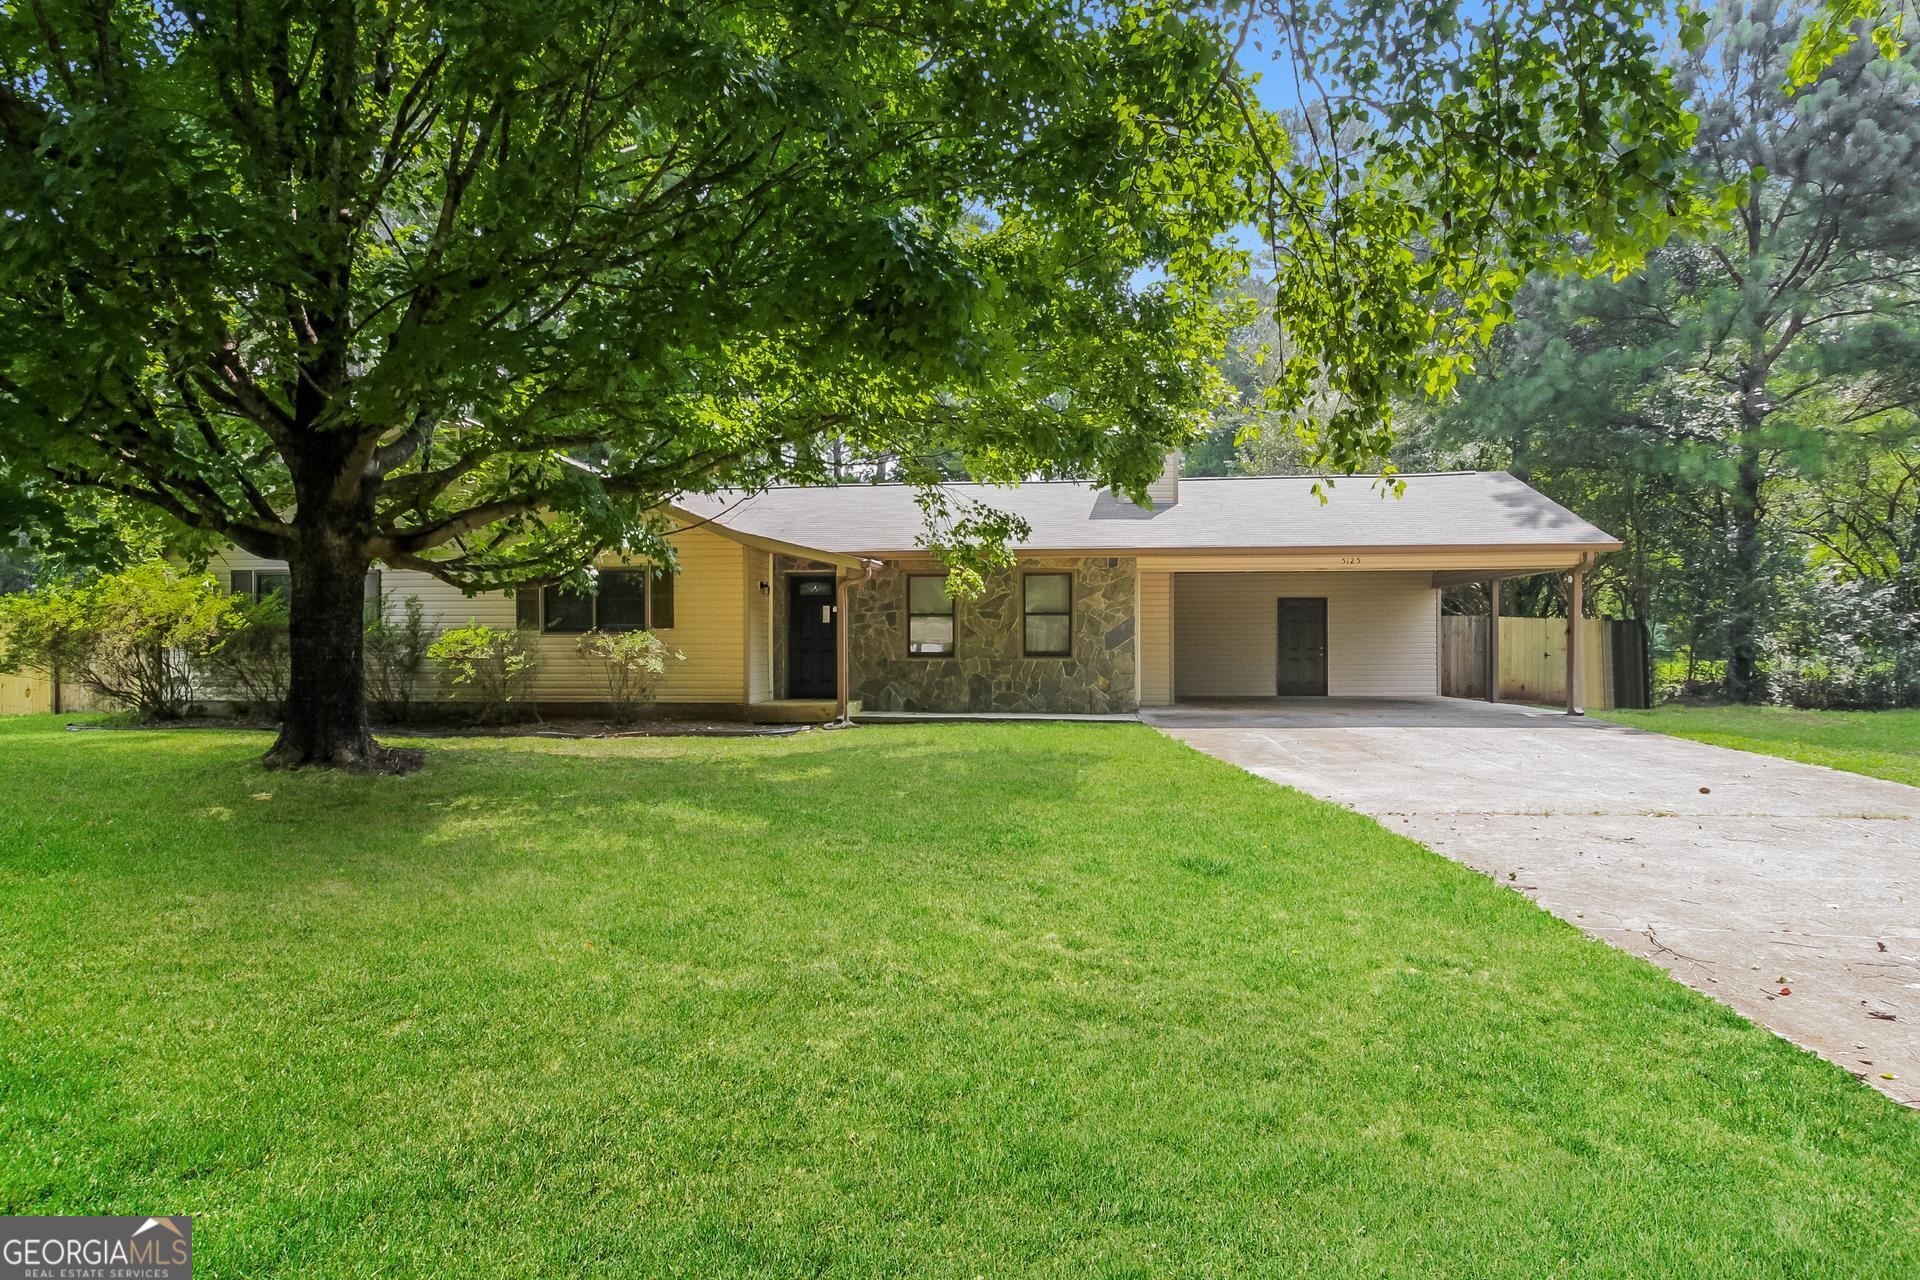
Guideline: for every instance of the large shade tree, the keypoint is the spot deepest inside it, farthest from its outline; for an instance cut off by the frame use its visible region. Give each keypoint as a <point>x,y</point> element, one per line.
<point>472,289</point>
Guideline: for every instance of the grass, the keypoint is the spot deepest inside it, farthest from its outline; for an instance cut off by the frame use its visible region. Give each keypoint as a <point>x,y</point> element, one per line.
<point>1880,744</point>
<point>988,1000</point>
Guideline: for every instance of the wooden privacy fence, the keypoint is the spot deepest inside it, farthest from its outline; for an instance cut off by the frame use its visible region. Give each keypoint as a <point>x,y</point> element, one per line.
<point>31,692</point>
<point>1533,660</point>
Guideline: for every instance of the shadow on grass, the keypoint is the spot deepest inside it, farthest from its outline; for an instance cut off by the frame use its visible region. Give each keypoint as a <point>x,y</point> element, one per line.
<point>105,804</point>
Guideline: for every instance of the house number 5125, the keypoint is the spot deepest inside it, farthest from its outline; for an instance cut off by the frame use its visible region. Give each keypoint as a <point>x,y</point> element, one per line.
<point>1349,559</point>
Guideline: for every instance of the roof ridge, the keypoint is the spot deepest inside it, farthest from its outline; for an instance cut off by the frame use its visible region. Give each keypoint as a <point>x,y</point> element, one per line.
<point>1091,484</point>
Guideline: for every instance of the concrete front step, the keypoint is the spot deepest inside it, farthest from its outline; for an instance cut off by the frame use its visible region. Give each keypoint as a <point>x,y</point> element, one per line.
<point>798,710</point>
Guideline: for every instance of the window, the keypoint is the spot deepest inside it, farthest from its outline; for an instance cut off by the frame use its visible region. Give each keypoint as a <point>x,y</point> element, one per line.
<point>258,584</point>
<point>564,611</point>
<point>1047,608</point>
<point>662,603</point>
<point>929,618</point>
<point>620,604</point>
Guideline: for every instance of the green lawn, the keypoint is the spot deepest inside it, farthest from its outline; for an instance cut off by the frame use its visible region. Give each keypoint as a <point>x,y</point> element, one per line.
<point>1881,744</point>
<point>988,1000</point>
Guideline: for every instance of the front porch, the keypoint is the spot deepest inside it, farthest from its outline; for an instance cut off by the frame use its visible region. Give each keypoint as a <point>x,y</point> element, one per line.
<point>798,710</point>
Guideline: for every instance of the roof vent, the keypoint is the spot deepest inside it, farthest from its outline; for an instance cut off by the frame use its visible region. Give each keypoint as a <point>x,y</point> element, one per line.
<point>1165,491</point>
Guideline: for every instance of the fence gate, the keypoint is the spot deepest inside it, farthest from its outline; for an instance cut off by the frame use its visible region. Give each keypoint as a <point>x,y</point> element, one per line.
<point>1533,660</point>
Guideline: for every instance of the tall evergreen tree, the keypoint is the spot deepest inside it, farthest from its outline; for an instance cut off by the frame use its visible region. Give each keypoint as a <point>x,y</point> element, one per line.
<point>1684,397</point>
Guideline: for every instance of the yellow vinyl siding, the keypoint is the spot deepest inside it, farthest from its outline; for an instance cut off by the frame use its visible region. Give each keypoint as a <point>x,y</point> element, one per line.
<point>1382,633</point>
<point>709,622</point>
<point>1156,637</point>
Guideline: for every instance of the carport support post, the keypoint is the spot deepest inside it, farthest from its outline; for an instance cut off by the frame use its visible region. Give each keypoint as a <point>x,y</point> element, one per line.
<point>1493,639</point>
<point>1576,585</point>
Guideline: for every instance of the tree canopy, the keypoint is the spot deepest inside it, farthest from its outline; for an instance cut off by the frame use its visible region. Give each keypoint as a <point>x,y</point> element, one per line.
<point>1441,154</point>
<point>685,245</point>
<point>473,290</point>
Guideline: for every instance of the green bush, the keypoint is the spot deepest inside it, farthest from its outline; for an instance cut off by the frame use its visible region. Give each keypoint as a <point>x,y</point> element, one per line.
<point>134,637</point>
<point>253,662</point>
<point>395,656</point>
<point>631,665</point>
<point>490,666</point>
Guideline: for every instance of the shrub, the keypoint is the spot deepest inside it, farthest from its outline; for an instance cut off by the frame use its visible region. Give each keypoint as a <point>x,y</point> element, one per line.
<point>493,666</point>
<point>252,662</point>
<point>395,649</point>
<point>1849,645</point>
<point>134,636</point>
<point>631,664</point>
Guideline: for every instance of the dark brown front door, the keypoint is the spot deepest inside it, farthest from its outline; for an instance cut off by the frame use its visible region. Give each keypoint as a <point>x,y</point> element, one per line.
<point>810,638</point>
<point>1303,647</point>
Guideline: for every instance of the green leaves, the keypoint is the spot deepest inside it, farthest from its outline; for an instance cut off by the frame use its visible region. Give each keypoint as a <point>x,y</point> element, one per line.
<point>1693,29</point>
<point>474,291</point>
<point>1835,29</point>
<point>1445,153</point>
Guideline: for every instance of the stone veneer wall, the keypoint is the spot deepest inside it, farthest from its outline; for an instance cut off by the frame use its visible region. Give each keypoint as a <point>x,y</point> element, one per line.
<point>988,671</point>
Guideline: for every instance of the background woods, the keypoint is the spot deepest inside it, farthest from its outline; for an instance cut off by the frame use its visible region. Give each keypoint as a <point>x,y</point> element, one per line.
<point>1742,411</point>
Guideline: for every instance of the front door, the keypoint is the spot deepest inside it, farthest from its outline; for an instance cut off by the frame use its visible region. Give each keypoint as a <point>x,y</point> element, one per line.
<point>1303,647</point>
<point>811,652</point>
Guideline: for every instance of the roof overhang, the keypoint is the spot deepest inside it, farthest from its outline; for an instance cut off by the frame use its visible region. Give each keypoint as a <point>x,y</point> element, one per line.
<point>685,520</point>
<point>1459,563</point>
<point>1463,577</point>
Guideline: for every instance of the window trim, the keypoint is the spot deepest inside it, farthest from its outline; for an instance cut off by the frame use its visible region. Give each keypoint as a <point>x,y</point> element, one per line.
<point>1025,613</point>
<point>952,614</point>
<point>593,598</point>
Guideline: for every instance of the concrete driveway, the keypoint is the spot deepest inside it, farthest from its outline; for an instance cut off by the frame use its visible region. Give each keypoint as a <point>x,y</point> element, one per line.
<point>1738,873</point>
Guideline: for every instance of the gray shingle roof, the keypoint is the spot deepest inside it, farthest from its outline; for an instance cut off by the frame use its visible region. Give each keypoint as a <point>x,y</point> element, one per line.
<point>1446,509</point>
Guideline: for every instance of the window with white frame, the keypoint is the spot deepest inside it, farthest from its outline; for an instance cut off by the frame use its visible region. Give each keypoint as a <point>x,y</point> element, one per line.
<point>930,629</point>
<point>1046,607</point>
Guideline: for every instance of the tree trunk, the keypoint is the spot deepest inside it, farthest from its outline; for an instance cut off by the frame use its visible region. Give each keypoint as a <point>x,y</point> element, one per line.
<point>326,716</point>
<point>1745,683</point>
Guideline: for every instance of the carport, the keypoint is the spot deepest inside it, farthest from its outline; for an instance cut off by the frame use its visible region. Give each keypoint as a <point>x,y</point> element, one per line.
<point>1353,622</point>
